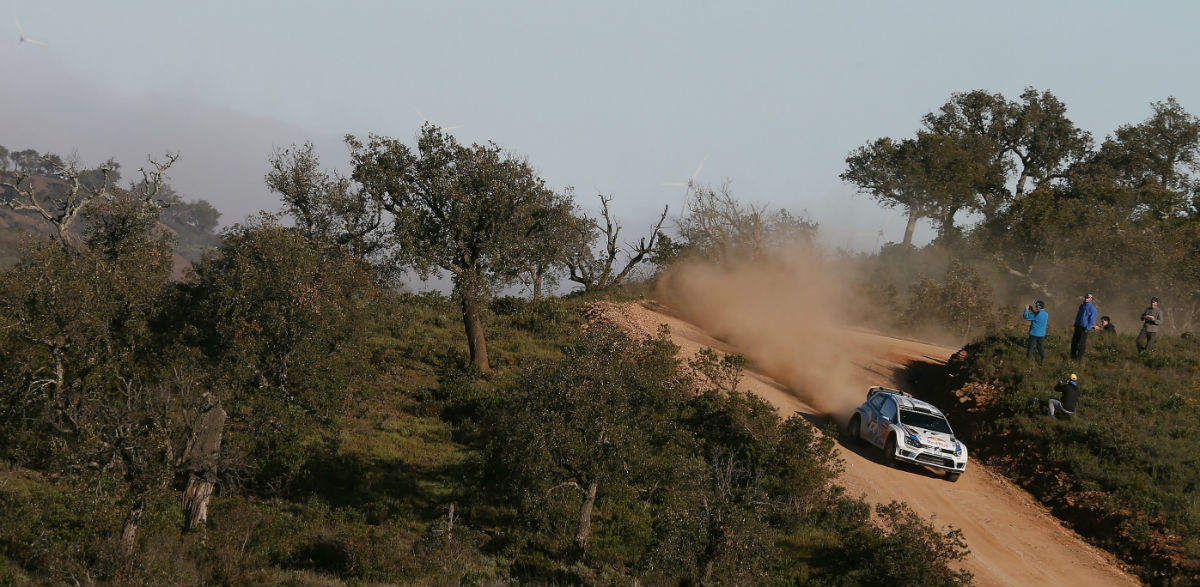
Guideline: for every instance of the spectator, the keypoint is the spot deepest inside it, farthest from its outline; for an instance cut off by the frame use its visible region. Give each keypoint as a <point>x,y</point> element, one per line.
<point>1105,326</point>
<point>1085,319</point>
<point>1037,317</point>
<point>1069,388</point>
<point>1151,318</point>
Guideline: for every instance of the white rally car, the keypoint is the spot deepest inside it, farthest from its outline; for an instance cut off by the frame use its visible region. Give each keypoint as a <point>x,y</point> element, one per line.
<point>908,430</point>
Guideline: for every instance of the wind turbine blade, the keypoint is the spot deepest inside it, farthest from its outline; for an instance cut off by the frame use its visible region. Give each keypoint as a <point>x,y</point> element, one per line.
<point>699,167</point>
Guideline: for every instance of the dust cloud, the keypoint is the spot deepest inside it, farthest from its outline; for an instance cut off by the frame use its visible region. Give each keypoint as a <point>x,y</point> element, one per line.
<point>786,313</point>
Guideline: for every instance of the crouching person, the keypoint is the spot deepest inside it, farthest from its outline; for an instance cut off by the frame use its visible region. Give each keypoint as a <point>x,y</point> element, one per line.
<point>1069,388</point>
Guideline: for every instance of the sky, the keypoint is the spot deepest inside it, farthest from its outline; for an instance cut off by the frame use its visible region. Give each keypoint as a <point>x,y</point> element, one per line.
<point>621,98</point>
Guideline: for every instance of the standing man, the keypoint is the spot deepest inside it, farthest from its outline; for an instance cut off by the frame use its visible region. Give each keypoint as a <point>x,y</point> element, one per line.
<point>1069,388</point>
<point>1151,318</point>
<point>1085,319</point>
<point>1037,317</point>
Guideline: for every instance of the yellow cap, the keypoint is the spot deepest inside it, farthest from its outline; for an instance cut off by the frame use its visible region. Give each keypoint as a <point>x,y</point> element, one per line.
<point>1074,378</point>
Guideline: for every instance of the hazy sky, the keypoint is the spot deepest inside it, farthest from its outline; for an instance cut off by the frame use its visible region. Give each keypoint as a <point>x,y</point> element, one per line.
<point>610,97</point>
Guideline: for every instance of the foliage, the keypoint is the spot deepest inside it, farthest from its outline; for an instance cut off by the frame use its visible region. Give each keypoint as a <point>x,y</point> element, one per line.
<point>1120,471</point>
<point>282,318</point>
<point>464,210</point>
<point>905,550</point>
<point>327,206</point>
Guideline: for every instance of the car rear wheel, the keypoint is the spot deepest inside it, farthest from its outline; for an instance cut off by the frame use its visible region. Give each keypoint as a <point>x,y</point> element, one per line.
<point>952,477</point>
<point>889,452</point>
<point>855,428</point>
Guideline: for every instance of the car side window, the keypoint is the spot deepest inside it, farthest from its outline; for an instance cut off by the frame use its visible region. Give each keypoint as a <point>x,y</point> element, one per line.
<point>877,402</point>
<point>889,410</point>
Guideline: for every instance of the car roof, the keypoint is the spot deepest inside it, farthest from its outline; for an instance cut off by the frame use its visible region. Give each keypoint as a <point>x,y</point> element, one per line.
<point>904,400</point>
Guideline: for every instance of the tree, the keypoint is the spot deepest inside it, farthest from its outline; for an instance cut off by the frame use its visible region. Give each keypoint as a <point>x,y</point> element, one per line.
<point>1156,159</point>
<point>26,161</point>
<point>716,225</point>
<point>61,212</point>
<point>281,318</point>
<point>1033,138</point>
<point>963,299</point>
<point>548,235</point>
<point>82,357</point>
<point>931,176</point>
<point>198,215</point>
<point>595,269</point>
<point>464,210</point>
<point>595,420</point>
<point>3,159</point>
<point>325,205</point>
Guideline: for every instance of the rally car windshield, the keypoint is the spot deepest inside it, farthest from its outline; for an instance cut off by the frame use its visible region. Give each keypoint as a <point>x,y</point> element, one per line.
<point>926,421</point>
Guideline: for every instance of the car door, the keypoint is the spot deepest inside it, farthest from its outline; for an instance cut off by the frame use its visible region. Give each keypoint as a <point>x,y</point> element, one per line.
<point>883,426</point>
<point>874,409</point>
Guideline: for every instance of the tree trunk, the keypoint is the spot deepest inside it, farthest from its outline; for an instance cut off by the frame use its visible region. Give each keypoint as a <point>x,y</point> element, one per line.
<point>585,517</point>
<point>474,327</point>
<point>195,502</point>
<point>129,532</point>
<point>910,227</point>
<point>200,461</point>
<point>538,272</point>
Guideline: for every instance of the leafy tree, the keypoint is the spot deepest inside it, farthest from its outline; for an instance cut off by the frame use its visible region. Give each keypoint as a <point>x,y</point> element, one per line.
<point>1032,138</point>
<point>963,302</point>
<point>104,175</point>
<point>548,235</point>
<point>912,174</point>
<point>282,318</point>
<point>3,159</point>
<point>464,210</point>
<point>86,391</point>
<point>199,215</point>
<point>902,549</point>
<point>587,423</point>
<point>26,161</point>
<point>325,205</point>
<point>1156,159</point>
<point>596,269</point>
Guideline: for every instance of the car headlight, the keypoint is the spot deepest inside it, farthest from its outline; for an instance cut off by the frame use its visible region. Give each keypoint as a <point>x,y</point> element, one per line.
<point>957,449</point>
<point>912,440</point>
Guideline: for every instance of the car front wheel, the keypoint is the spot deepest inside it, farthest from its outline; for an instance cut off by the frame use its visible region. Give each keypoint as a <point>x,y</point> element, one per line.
<point>952,477</point>
<point>889,452</point>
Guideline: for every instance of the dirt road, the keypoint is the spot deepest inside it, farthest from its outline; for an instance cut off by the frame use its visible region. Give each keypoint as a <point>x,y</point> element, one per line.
<point>1013,540</point>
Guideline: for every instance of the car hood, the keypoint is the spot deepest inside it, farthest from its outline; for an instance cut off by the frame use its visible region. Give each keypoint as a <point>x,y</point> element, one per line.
<point>931,438</point>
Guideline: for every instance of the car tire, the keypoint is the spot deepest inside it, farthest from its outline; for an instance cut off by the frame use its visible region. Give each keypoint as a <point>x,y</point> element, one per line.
<point>889,452</point>
<point>855,428</point>
<point>952,476</point>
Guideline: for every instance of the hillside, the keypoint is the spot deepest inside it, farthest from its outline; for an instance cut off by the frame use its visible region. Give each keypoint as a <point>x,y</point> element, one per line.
<point>1013,540</point>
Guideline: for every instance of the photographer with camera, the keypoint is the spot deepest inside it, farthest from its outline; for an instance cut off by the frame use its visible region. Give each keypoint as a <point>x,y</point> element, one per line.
<point>1037,316</point>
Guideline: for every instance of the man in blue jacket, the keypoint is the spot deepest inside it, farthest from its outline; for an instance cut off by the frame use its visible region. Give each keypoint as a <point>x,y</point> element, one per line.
<point>1037,317</point>
<point>1085,319</point>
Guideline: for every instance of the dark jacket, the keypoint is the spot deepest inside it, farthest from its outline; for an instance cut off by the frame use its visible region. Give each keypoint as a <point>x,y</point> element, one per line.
<point>1070,394</point>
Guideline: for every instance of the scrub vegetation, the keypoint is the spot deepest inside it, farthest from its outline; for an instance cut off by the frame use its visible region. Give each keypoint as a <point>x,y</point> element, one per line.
<point>281,410</point>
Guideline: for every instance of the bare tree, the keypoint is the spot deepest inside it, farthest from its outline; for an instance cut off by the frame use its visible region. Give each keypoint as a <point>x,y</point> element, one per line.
<point>595,269</point>
<point>62,211</point>
<point>717,225</point>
